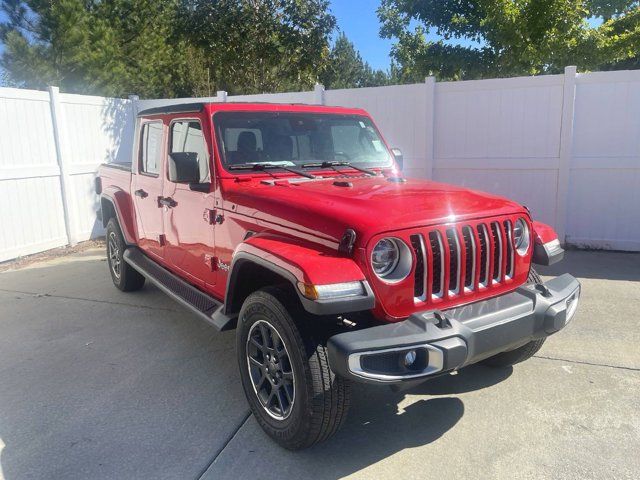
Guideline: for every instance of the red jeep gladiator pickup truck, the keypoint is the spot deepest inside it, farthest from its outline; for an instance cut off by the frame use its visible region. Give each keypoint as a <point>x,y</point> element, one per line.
<point>293,225</point>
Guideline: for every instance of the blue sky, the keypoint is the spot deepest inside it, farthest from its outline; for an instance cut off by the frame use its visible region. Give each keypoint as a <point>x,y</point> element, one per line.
<point>358,19</point>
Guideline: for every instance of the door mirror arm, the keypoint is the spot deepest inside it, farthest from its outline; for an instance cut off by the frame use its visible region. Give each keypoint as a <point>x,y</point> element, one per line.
<point>398,157</point>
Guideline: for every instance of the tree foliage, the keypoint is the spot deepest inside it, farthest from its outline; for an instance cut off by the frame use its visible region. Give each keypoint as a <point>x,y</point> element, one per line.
<point>346,69</point>
<point>90,46</point>
<point>253,46</point>
<point>488,38</point>
<point>165,48</point>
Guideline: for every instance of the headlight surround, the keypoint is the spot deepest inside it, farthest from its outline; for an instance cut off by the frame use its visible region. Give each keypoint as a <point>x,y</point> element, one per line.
<point>391,260</point>
<point>521,237</point>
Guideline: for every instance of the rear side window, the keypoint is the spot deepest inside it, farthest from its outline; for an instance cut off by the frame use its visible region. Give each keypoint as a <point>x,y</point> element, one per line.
<point>151,152</point>
<point>186,136</point>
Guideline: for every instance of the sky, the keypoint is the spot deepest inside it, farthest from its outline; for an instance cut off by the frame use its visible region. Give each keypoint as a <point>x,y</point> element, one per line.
<point>358,20</point>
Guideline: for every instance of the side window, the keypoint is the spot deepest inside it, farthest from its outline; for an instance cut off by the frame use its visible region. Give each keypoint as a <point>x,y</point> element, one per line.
<point>186,136</point>
<point>151,148</point>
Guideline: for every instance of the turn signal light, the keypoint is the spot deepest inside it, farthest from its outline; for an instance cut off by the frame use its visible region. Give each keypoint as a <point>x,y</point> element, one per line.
<point>334,290</point>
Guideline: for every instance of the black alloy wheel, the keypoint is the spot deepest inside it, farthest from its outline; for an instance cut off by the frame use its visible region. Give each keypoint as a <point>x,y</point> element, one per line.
<point>270,370</point>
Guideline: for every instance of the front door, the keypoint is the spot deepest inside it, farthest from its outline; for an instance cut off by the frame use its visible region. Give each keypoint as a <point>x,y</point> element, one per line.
<point>147,188</point>
<point>189,221</point>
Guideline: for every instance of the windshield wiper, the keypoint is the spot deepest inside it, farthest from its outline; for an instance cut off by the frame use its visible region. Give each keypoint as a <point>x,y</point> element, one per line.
<point>336,164</point>
<point>264,166</point>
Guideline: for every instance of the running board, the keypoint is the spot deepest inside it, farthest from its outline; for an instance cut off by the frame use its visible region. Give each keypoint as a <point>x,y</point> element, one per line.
<point>204,306</point>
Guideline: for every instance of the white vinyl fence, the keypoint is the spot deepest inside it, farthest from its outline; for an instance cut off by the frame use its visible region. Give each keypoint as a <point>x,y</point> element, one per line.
<point>50,148</point>
<point>567,146</point>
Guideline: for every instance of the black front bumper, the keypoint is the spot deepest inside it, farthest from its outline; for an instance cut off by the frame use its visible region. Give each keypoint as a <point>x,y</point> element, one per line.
<point>445,341</point>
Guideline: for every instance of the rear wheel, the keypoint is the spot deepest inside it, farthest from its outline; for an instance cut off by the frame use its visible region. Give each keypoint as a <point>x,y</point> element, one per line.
<point>293,394</point>
<point>524,352</point>
<point>124,276</point>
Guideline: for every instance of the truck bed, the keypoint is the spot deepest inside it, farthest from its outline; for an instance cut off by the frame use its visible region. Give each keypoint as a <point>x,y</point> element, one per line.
<point>120,166</point>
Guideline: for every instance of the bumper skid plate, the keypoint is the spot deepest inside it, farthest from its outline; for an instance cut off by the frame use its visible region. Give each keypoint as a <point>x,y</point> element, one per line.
<point>432,342</point>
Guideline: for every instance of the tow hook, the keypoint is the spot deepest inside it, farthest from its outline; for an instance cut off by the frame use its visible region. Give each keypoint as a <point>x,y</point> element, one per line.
<point>438,318</point>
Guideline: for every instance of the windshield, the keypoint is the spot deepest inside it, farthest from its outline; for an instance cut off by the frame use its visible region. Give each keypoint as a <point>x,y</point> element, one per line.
<point>298,139</point>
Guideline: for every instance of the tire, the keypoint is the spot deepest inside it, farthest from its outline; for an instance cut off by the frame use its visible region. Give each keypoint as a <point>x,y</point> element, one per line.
<point>528,350</point>
<point>313,401</point>
<point>124,276</point>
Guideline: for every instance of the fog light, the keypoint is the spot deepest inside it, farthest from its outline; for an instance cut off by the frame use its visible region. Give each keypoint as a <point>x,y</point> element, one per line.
<point>410,358</point>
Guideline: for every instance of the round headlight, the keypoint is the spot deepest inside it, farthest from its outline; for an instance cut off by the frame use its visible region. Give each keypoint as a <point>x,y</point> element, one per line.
<point>521,237</point>
<point>385,257</point>
<point>391,259</point>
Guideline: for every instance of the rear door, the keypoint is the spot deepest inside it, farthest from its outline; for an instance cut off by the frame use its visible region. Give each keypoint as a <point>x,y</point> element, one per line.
<point>189,222</point>
<point>147,187</point>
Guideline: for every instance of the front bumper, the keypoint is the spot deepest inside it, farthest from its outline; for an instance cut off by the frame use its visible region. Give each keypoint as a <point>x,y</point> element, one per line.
<point>445,341</point>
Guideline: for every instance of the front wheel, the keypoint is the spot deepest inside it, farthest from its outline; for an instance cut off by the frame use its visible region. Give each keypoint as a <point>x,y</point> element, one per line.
<point>293,394</point>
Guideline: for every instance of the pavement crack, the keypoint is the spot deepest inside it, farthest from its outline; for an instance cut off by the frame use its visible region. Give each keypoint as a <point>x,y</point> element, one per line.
<point>39,295</point>
<point>580,362</point>
<point>227,442</point>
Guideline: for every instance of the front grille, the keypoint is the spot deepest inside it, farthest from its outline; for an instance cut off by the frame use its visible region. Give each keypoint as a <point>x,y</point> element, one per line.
<point>454,260</point>
<point>470,250</point>
<point>419,250</point>
<point>437,286</point>
<point>509,257</point>
<point>497,251</point>
<point>483,237</point>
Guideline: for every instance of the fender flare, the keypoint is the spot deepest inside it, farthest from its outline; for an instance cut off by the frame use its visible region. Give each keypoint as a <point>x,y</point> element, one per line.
<point>546,246</point>
<point>121,204</point>
<point>255,252</point>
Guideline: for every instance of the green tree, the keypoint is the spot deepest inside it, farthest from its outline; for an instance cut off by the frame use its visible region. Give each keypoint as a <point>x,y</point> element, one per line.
<point>91,46</point>
<point>346,69</point>
<point>255,46</point>
<point>487,38</point>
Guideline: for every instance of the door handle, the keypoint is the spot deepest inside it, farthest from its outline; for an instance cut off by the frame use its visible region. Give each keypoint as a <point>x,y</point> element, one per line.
<point>141,193</point>
<point>166,202</point>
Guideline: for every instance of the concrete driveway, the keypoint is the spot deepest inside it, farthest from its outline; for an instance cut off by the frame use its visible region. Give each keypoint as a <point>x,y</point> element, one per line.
<point>95,383</point>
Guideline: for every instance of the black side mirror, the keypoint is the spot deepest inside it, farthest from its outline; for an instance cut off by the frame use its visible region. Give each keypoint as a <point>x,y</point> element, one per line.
<point>397,156</point>
<point>183,167</point>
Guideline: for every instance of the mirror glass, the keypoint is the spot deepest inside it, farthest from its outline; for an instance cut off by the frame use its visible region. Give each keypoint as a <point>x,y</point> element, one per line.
<point>184,167</point>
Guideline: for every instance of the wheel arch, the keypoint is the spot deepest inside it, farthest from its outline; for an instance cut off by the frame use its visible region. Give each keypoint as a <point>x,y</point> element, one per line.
<point>250,273</point>
<point>265,260</point>
<point>115,203</point>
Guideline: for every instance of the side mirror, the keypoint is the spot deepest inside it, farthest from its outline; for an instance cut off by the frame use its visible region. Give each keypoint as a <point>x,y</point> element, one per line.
<point>397,156</point>
<point>183,167</point>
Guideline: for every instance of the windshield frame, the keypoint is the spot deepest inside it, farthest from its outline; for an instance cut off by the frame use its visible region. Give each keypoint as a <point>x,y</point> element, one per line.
<point>219,141</point>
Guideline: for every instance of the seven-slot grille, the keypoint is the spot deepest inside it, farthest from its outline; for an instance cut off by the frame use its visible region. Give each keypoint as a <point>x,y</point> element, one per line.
<point>453,260</point>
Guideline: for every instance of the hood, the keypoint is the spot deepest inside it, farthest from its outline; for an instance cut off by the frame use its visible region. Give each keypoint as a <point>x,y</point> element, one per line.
<point>369,205</point>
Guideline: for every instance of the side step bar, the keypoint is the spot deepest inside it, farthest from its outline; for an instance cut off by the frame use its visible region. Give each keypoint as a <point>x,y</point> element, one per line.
<point>204,306</point>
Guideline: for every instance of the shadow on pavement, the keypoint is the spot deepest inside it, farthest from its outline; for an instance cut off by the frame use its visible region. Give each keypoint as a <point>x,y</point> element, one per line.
<point>469,379</point>
<point>382,423</point>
